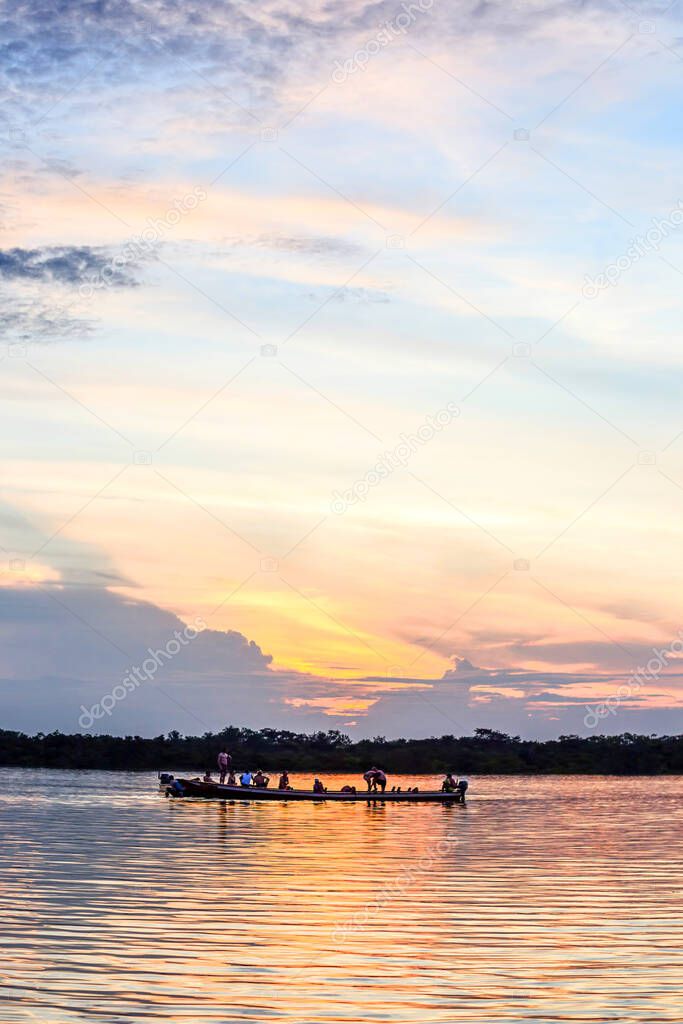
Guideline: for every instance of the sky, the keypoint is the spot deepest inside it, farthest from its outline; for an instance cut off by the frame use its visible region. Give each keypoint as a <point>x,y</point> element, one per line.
<point>341,366</point>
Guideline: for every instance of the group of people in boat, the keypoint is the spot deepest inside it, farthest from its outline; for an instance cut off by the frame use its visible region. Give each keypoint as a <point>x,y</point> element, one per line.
<point>375,779</point>
<point>257,779</point>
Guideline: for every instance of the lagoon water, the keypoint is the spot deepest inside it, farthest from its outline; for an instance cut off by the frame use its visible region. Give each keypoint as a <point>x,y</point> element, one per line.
<point>544,900</point>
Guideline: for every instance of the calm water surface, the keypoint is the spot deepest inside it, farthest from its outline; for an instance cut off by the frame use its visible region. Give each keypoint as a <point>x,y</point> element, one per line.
<point>541,900</point>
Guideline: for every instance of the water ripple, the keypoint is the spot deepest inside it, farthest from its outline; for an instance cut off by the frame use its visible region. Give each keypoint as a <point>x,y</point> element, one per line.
<point>542,900</point>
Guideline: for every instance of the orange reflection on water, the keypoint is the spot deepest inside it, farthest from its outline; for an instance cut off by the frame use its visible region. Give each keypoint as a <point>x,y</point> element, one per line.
<point>541,900</point>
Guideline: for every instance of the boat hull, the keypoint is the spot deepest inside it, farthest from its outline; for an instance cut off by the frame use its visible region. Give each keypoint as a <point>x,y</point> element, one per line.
<point>214,791</point>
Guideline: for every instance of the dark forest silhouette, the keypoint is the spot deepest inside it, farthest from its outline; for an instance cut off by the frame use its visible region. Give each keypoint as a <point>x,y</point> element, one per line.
<point>487,751</point>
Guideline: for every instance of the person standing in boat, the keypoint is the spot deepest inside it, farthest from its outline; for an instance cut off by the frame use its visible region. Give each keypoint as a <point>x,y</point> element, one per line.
<point>224,764</point>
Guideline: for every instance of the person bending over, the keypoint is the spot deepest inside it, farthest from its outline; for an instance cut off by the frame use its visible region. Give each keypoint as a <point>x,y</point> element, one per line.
<point>375,778</point>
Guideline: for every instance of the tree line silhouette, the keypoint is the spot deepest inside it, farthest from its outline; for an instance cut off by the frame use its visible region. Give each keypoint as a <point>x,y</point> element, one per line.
<point>486,751</point>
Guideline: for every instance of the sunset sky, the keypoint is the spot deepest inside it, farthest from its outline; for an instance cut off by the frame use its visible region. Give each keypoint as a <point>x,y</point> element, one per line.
<point>354,332</point>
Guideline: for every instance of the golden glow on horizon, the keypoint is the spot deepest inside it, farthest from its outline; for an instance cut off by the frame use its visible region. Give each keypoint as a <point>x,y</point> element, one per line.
<point>299,321</point>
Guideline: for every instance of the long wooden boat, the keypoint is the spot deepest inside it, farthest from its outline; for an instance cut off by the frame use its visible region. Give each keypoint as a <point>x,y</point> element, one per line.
<point>215,791</point>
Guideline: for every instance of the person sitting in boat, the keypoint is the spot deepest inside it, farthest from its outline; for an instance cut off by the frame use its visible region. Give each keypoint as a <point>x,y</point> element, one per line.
<point>232,781</point>
<point>261,780</point>
<point>449,784</point>
<point>246,779</point>
<point>284,781</point>
<point>318,786</point>
<point>349,789</point>
<point>224,763</point>
<point>207,776</point>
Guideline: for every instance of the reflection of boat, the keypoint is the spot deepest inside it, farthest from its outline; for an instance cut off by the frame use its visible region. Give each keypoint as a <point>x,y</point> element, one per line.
<point>214,791</point>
